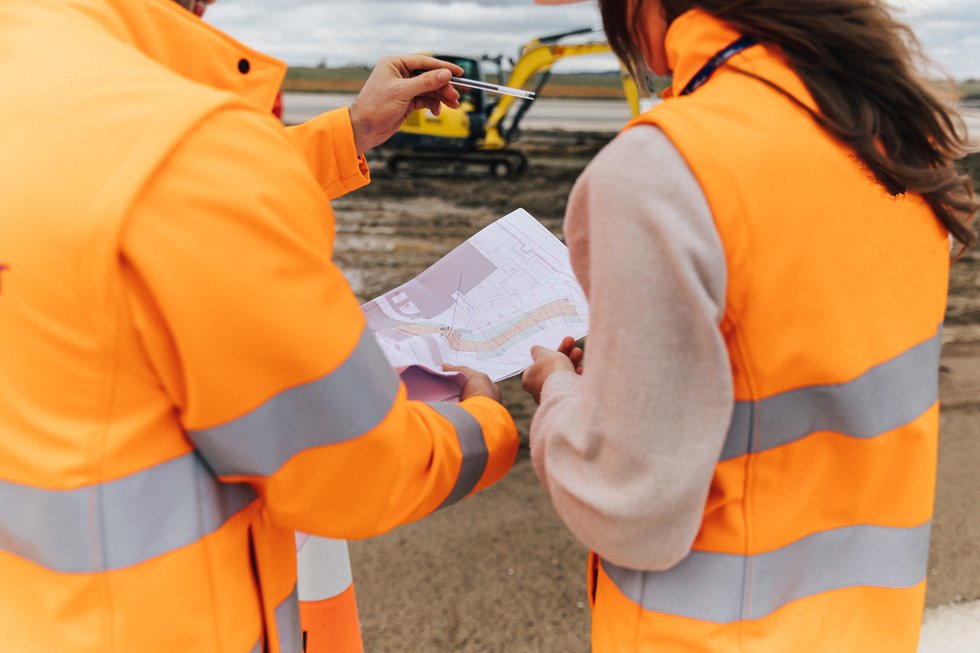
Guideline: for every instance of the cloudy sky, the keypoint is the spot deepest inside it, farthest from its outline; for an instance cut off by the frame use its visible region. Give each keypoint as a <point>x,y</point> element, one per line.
<point>305,32</point>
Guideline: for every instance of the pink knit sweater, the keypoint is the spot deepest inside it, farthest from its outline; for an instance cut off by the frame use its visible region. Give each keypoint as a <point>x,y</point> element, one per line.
<point>627,450</point>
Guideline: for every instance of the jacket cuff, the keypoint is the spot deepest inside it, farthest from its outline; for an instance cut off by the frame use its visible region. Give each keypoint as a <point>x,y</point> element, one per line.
<point>327,141</point>
<point>500,435</point>
<point>557,388</point>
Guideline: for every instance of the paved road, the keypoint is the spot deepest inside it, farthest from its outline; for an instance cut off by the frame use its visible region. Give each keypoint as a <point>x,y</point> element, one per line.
<point>572,115</point>
<point>972,119</point>
<point>300,107</point>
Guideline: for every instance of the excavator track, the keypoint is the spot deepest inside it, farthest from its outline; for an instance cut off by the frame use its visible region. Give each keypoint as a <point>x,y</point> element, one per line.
<point>498,164</point>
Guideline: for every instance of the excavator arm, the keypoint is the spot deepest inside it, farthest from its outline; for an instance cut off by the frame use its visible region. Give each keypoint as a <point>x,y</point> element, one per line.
<point>536,57</point>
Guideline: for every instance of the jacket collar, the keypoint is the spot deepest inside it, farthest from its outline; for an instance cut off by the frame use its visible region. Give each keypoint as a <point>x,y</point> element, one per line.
<point>692,39</point>
<point>182,42</point>
<point>696,36</point>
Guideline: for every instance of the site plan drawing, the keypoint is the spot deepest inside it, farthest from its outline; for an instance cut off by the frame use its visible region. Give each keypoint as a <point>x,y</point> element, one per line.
<point>483,305</point>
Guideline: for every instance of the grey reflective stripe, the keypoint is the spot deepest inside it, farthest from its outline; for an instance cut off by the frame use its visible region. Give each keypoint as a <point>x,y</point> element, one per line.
<point>287,624</point>
<point>120,523</point>
<point>473,445</point>
<point>257,648</point>
<point>884,398</point>
<point>343,405</point>
<point>724,588</point>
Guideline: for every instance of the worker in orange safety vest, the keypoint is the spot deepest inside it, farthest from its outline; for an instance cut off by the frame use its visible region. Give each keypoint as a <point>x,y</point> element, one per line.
<point>187,380</point>
<point>754,465</point>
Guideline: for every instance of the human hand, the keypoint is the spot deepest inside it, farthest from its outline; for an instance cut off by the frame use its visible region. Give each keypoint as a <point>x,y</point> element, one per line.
<point>477,384</point>
<point>546,363</point>
<point>393,91</point>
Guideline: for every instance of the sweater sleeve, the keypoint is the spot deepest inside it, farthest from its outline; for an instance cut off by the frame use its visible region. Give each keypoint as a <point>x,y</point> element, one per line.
<point>628,449</point>
<point>327,144</point>
<point>261,347</point>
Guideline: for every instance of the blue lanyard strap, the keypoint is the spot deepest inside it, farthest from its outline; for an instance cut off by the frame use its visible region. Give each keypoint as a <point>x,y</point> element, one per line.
<point>716,62</point>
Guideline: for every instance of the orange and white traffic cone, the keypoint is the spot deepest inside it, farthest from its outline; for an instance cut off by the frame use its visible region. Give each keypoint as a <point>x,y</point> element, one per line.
<point>327,605</point>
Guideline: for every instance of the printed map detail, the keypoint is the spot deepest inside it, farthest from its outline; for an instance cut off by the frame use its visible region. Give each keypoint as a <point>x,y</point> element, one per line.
<point>485,303</point>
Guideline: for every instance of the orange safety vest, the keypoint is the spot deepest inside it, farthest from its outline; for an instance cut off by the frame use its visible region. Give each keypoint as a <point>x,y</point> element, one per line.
<point>815,534</point>
<point>186,379</point>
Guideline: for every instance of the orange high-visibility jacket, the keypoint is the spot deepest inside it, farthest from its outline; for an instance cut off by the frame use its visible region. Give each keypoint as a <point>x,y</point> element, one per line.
<point>815,534</point>
<point>185,378</point>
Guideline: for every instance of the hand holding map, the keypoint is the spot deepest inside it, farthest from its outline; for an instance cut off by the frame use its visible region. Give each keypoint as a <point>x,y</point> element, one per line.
<point>483,305</point>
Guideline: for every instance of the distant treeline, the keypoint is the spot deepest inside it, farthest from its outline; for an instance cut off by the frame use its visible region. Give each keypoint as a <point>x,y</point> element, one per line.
<point>561,85</point>
<point>350,80</point>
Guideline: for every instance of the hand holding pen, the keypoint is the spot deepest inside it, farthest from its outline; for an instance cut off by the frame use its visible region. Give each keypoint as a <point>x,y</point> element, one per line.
<point>396,87</point>
<point>488,87</point>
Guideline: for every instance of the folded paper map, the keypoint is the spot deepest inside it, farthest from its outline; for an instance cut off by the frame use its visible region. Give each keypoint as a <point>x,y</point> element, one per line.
<point>483,305</point>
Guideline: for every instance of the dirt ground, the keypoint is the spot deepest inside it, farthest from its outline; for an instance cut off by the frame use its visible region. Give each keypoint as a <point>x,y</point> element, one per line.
<point>498,572</point>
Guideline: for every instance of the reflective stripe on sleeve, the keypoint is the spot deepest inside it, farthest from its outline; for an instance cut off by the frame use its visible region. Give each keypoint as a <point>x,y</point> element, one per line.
<point>287,624</point>
<point>724,588</point>
<point>119,523</point>
<point>345,404</point>
<point>471,443</point>
<point>880,400</point>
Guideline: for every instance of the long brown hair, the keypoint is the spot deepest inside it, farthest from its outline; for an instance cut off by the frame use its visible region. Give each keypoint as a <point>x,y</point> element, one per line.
<point>857,61</point>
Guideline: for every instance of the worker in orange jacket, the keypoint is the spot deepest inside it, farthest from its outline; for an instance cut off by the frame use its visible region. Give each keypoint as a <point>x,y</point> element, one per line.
<point>186,375</point>
<point>777,235</point>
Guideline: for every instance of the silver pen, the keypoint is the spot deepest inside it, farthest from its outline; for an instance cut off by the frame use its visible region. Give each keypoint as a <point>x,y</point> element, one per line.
<point>493,88</point>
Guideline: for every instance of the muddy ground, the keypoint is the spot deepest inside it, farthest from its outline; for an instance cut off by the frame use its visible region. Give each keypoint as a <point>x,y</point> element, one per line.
<point>499,572</point>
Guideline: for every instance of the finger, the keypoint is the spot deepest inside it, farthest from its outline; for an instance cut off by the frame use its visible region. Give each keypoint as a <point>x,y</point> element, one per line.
<point>446,98</point>
<point>434,106</point>
<point>531,385</point>
<point>411,62</point>
<point>451,100</point>
<point>527,380</point>
<point>448,94</point>
<point>467,372</point>
<point>437,95</point>
<point>567,343</point>
<point>429,82</point>
<point>425,102</point>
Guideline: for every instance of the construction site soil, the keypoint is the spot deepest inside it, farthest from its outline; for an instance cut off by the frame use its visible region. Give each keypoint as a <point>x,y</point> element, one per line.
<point>499,572</point>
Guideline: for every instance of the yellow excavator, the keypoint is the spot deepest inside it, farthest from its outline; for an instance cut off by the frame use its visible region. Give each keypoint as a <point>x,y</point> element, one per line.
<point>477,135</point>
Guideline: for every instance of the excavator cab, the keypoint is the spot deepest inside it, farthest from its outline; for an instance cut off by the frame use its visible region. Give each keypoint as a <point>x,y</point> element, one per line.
<point>452,129</point>
<point>471,70</point>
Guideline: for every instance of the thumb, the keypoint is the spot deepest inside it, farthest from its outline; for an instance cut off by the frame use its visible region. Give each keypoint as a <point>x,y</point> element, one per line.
<point>428,82</point>
<point>535,349</point>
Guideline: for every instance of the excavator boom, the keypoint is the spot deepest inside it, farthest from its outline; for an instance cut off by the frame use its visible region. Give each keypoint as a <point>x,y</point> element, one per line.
<point>538,56</point>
